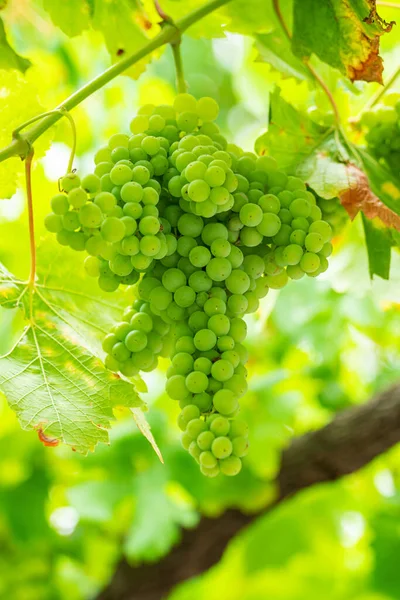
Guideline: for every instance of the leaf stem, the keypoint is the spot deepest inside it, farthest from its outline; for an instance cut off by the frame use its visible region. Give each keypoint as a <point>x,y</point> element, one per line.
<point>313,72</point>
<point>160,11</point>
<point>21,145</point>
<point>28,182</point>
<point>73,148</point>
<point>180,78</point>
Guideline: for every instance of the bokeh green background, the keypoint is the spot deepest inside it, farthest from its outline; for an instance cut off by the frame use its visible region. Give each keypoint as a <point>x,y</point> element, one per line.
<point>317,347</point>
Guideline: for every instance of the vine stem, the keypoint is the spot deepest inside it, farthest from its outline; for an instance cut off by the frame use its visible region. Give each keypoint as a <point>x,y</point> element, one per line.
<point>21,145</point>
<point>180,79</point>
<point>313,72</point>
<point>375,99</point>
<point>28,183</point>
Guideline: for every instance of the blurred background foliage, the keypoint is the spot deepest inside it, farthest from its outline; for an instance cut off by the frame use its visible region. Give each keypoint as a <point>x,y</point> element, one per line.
<point>316,348</point>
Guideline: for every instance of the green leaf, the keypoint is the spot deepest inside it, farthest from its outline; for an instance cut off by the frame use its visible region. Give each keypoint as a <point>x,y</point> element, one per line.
<point>239,16</point>
<point>275,49</point>
<point>379,247</point>
<point>120,23</point>
<point>343,34</point>
<point>9,59</point>
<point>53,377</point>
<point>291,136</point>
<point>71,17</point>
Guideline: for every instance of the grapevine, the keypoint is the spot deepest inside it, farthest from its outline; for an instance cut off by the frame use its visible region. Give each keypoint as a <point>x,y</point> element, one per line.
<point>202,230</point>
<point>383,132</point>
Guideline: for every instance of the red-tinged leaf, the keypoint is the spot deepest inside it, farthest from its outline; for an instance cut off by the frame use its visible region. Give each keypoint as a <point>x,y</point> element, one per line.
<point>359,196</point>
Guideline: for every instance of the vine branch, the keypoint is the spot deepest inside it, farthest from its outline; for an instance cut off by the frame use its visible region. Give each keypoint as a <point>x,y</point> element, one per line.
<point>349,442</point>
<point>313,72</point>
<point>21,145</point>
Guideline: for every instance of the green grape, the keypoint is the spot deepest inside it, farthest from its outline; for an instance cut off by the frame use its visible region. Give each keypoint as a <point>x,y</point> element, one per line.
<point>173,279</point>
<point>69,182</point>
<point>184,102</point>
<point>213,231</point>
<point>200,281</point>
<point>253,265</point>
<point>310,262</point>
<point>70,221</point>
<point>130,245</point>
<point>184,296</point>
<point>292,254</point>
<point>205,440</point>
<point>204,340</point>
<point>196,382</point>
<point>220,248</point>
<point>199,256</point>
<point>314,242</point>
<point>59,204</point>
<point>221,447</point>
<point>92,266</point>
<point>90,215</point>
<point>222,370</point>
<point>149,225</point>
<point>112,229</point>
<point>54,223</point>
<point>230,466</point>
<point>207,109</point>
<point>323,228</point>
<point>218,269</point>
<point>182,363</point>
<point>105,201</point>
<point>214,305</point>
<point>237,304</point>
<point>132,192</point>
<point>136,341</point>
<point>238,282</point>
<point>198,190</point>
<point>203,364</point>
<point>149,245</point>
<point>219,324</point>
<point>251,215</point>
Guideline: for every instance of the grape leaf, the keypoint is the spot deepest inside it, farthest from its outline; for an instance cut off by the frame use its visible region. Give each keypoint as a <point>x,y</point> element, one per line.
<point>291,136</point>
<point>274,48</point>
<point>9,59</point>
<point>359,196</point>
<point>123,25</point>
<point>238,16</point>
<point>53,377</point>
<point>379,247</point>
<point>71,17</point>
<point>343,34</point>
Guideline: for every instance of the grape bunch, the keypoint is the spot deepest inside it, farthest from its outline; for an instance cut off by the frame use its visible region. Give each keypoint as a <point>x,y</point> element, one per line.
<point>383,135</point>
<point>202,230</point>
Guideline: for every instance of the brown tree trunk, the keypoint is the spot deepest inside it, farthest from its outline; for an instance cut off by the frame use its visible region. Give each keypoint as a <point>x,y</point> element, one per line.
<point>350,441</point>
